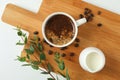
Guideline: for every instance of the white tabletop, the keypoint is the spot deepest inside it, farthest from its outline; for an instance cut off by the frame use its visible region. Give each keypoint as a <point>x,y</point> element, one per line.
<point>12,70</point>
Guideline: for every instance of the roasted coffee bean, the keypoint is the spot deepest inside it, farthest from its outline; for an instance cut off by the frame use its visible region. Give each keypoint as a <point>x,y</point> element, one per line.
<point>36,32</point>
<point>77,40</point>
<point>38,39</point>
<point>72,54</point>
<point>99,24</point>
<point>85,13</point>
<point>63,48</point>
<point>44,41</point>
<point>76,45</point>
<point>92,15</point>
<point>50,52</point>
<point>99,12</point>
<point>86,9</point>
<point>51,46</point>
<point>63,54</point>
<point>89,18</point>
<point>81,16</point>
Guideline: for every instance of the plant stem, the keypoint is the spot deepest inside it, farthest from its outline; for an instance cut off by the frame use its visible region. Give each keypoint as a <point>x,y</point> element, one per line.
<point>22,38</point>
<point>52,76</point>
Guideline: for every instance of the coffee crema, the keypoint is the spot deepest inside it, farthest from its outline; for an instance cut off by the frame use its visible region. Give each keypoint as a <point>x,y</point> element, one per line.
<point>59,29</point>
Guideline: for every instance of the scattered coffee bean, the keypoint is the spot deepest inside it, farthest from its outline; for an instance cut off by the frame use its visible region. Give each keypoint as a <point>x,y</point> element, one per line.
<point>89,18</point>
<point>36,32</point>
<point>50,52</point>
<point>77,40</point>
<point>38,39</point>
<point>86,9</point>
<point>92,15</point>
<point>99,12</point>
<point>72,54</point>
<point>63,54</point>
<point>76,45</point>
<point>45,41</point>
<point>99,24</point>
<point>63,48</point>
<point>81,16</point>
<point>88,14</point>
<point>85,13</point>
<point>51,46</point>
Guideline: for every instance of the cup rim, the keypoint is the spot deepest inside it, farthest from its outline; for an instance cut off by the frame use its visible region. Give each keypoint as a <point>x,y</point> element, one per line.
<point>51,15</point>
<point>87,51</point>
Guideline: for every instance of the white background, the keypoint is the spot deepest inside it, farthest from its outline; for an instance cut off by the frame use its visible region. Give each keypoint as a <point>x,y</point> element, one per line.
<point>11,69</point>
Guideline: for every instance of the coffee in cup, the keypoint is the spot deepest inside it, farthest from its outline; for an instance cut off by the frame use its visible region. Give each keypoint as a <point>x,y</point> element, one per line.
<point>59,29</point>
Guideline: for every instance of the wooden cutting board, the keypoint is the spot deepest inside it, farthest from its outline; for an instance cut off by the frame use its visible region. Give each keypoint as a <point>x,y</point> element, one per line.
<point>106,38</point>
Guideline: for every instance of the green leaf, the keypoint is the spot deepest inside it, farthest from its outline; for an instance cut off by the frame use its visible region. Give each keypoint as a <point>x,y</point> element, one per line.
<point>36,67</point>
<point>24,35</point>
<point>28,57</point>
<point>26,65</point>
<point>57,55</point>
<point>57,60</point>
<point>35,62</point>
<point>28,51</point>
<point>61,74</point>
<point>61,65</point>
<point>50,79</point>
<point>67,75</point>
<point>21,59</point>
<point>40,47</point>
<point>25,40</point>
<point>49,67</point>
<point>42,56</point>
<point>31,48</point>
<point>44,72</point>
<point>35,38</point>
<point>19,33</point>
<point>18,43</point>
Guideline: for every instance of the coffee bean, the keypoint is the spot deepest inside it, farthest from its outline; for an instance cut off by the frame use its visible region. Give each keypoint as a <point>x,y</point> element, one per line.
<point>38,39</point>
<point>99,24</point>
<point>63,54</point>
<point>85,13</point>
<point>77,40</point>
<point>36,32</point>
<point>72,54</point>
<point>99,12</point>
<point>92,15</point>
<point>51,46</point>
<point>50,52</point>
<point>44,41</point>
<point>81,16</point>
<point>89,18</point>
<point>76,45</point>
<point>63,48</point>
<point>86,9</point>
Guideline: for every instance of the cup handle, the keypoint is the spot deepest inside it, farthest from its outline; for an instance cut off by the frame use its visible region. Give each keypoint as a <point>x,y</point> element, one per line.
<point>81,21</point>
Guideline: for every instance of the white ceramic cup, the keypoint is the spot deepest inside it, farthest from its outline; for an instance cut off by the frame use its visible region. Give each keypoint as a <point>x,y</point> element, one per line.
<point>92,59</point>
<point>76,24</point>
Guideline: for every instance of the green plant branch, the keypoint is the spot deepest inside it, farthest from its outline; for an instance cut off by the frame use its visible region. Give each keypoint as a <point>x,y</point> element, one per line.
<point>36,46</point>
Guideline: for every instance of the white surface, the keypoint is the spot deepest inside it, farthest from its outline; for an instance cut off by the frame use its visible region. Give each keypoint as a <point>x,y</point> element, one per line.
<point>10,69</point>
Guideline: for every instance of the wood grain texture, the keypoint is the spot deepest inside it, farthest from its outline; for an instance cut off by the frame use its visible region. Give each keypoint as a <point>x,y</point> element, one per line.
<point>107,37</point>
